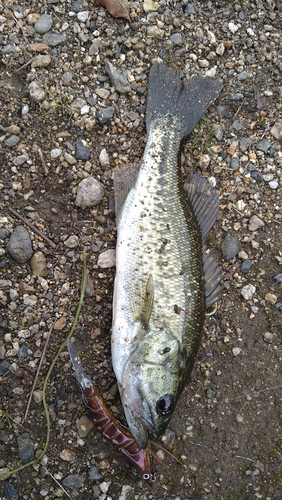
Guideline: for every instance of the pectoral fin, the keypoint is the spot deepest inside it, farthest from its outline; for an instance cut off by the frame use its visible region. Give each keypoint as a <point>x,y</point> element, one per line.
<point>142,303</point>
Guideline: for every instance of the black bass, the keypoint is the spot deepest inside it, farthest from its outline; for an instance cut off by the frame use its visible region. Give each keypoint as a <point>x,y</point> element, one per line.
<point>164,279</point>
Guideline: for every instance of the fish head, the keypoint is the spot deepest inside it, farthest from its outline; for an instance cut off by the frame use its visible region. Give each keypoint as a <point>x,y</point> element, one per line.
<point>151,384</point>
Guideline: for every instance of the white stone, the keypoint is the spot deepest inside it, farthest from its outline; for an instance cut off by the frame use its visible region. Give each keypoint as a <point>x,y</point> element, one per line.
<point>70,159</point>
<point>248,292</point>
<point>56,152</point>
<point>233,27</point>
<point>104,486</point>
<point>150,6</point>
<point>211,37</point>
<point>85,109</point>
<point>36,92</point>
<point>210,73</point>
<point>104,158</point>
<point>250,32</point>
<point>83,16</point>
<point>236,351</point>
<point>243,255</point>
<point>89,193</point>
<point>273,184</point>
<point>107,259</point>
<point>72,241</point>
<point>220,49</point>
<point>268,337</point>
<point>255,223</point>
<point>240,205</point>
<point>126,492</point>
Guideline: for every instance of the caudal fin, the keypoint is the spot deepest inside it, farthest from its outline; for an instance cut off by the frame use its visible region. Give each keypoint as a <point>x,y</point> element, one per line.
<point>187,100</point>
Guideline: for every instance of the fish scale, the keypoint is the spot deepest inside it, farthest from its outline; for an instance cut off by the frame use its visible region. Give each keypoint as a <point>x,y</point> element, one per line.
<point>159,294</point>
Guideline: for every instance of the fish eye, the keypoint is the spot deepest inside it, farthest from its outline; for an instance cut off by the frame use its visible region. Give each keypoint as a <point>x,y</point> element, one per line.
<point>165,405</point>
<point>146,477</point>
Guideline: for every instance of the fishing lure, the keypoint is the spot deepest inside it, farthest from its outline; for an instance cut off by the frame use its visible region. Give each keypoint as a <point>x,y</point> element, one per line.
<point>108,425</point>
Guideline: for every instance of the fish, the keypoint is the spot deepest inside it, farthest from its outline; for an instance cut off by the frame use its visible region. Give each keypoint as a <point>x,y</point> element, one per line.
<point>165,279</point>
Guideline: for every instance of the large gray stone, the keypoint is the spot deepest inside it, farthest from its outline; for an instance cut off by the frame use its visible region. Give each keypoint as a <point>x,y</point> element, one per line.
<point>19,245</point>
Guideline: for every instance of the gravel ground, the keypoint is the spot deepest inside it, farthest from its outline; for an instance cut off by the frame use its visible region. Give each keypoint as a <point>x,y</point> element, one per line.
<point>73,86</point>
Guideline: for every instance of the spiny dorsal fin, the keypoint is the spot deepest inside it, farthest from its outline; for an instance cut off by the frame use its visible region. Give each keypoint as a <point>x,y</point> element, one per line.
<point>142,309</point>
<point>203,200</point>
<point>124,180</point>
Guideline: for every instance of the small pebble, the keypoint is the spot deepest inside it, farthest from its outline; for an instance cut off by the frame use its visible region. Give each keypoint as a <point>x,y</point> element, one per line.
<point>81,151</point>
<point>243,76</point>
<point>236,351</point>
<point>189,9</point>
<point>44,24</point>
<point>12,141</point>
<point>248,292</point>
<point>276,130</point>
<point>38,264</point>
<point>68,455</point>
<point>246,266</point>
<point>72,241</point>
<point>273,184</point>
<point>106,114</point>
<point>94,474</point>
<point>89,193</point>
<point>255,223</point>
<point>234,163</point>
<point>55,39</point>
<point>230,247</point>
<point>73,481</point>
<point>56,152</point>
<point>36,91</point>
<point>83,16</point>
<point>25,448</point>
<point>84,425</point>
<point>104,159</point>
<point>119,80</point>
<point>10,491</point>
<point>271,298</point>
<point>4,367</point>
<point>263,145</point>
<point>268,337</point>
<point>107,259</point>
<point>104,486</point>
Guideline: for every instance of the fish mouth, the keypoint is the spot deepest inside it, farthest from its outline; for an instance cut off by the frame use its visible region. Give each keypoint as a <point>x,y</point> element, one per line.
<point>149,425</point>
<point>140,427</point>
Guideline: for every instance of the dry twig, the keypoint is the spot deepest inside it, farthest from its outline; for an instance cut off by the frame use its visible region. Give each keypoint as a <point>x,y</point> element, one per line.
<point>23,219</point>
<point>44,164</point>
<point>57,482</point>
<point>26,64</point>
<point>38,371</point>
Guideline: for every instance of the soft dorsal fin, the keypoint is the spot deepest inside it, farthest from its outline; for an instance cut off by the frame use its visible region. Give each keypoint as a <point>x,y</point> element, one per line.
<point>142,309</point>
<point>212,276</point>
<point>124,180</point>
<point>203,200</point>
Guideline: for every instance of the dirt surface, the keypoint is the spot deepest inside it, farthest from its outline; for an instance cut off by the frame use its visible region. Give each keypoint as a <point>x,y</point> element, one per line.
<point>226,428</point>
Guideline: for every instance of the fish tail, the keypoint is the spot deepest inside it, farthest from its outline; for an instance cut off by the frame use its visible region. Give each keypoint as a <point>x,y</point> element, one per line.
<point>185,100</point>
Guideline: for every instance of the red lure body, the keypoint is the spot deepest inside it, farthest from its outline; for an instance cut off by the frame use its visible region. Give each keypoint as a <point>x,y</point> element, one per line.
<point>108,425</point>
